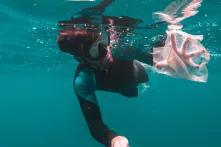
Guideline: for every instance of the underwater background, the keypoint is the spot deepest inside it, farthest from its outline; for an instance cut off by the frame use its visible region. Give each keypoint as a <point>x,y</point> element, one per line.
<point>38,107</point>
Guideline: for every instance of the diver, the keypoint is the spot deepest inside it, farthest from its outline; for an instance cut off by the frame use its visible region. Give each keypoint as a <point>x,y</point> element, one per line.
<point>99,69</point>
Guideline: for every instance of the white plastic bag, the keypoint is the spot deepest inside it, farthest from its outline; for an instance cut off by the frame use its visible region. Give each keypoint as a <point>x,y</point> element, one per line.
<point>183,55</point>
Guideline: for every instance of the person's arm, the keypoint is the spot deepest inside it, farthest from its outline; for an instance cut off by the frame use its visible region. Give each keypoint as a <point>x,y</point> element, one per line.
<point>85,87</point>
<point>98,129</point>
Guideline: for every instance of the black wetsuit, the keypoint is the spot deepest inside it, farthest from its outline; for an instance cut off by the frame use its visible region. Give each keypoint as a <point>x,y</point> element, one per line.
<point>87,80</point>
<point>122,77</point>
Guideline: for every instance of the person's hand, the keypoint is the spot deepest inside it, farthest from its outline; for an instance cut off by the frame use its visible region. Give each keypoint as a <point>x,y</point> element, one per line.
<point>119,141</point>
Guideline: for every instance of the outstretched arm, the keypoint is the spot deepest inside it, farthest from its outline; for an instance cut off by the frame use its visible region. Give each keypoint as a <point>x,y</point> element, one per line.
<point>85,87</point>
<point>93,117</point>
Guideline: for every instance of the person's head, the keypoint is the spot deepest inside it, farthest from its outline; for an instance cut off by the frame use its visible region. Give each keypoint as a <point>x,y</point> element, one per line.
<point>77,41</point>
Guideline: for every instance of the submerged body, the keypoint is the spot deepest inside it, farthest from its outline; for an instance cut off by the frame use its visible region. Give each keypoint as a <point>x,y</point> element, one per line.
<point>114,75</point>
<point>100,69</point>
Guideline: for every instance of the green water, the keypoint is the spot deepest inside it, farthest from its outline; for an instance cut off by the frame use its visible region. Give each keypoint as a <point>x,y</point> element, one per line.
<point>38,107</point>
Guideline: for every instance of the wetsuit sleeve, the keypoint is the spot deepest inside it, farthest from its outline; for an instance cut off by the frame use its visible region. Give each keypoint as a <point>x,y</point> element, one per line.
<point>85,90</point>
<point>98,129</point>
